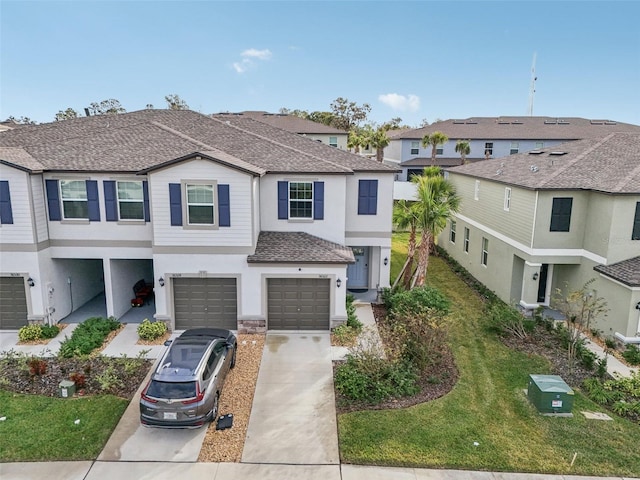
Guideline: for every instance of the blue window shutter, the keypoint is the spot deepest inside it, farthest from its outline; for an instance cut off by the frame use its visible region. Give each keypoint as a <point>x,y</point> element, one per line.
<point>6,213</point>
<point>318,200</point>
<point>93,205</point>
<point>367,197</point>
<point>224,206</point>
<point>53,200</point>
<point>110,201</point>
<point>175,204</point>
<point>283,200</point>
<point>145,197</point>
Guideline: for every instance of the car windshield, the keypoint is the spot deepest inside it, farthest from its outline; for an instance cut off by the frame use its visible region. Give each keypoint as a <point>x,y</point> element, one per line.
<point>171,390</point>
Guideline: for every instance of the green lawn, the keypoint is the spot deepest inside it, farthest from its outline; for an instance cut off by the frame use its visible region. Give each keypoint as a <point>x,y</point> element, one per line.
<point>39,428</point>
<point>487,406</point>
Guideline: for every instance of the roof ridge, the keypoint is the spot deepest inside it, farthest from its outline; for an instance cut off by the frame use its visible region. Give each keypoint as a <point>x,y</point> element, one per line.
<point>577,159</point>
<point>327,245</point>
<point>288,147</point>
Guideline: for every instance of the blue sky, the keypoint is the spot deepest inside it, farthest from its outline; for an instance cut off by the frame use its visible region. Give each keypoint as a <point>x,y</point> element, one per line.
<point>415,60</point>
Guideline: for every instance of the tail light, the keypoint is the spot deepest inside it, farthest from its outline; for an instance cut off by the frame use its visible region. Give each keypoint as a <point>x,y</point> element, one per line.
<point>144,395</point>
<point>199,396</point>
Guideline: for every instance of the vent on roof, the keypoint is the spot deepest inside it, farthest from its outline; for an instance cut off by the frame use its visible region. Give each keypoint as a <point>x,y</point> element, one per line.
<point>550,122</point>
<point>471,122</point>
<point>535,152</point>
<point>499,172</point>
<point>503,122</point>
<point>458,121</point>
<point>610,122</point>
<point>597,122</point>
<point>563,122</point>
<point>516,122</point>
<point>533,168</point>
<point>557,154</point>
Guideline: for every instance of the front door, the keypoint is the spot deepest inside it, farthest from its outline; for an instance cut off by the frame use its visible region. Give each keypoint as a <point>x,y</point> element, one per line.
<point>542,284</point>
<point>358,273</point>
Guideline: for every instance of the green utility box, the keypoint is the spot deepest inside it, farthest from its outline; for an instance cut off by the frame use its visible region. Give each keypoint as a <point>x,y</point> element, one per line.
<point>66,388</point>
<point>550,394</point>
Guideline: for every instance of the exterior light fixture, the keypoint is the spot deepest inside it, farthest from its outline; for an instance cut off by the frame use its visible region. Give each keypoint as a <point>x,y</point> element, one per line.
<point>338,283</point>
<point>386,261</point>
<point>535,276</point>
<point>31,282</point>
<point>161,281</point>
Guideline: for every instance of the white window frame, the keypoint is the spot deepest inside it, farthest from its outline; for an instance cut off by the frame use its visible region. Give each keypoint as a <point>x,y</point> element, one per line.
<point>515,148</point>
<point>452,232</point>
<point>415,146</point>
<point>333,142</point>
<point>487,147</point>
<point>211,204</point>
<point>476,190</point>
<point>465,245</point>
<point>440,150</point>
<point>539,145</point>
<point>484,258</point>
<point>305,200</point>
<point>85,200</point>
<point>507,199</point>
<point>129,200</point>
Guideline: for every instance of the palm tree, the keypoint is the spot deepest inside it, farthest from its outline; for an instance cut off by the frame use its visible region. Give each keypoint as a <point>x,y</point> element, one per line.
<point>463,147</point>
<point>404,217</point>
<point>379,139</point>
<point>437,202</point>
<point>354,140</point>
<point>434,139</point>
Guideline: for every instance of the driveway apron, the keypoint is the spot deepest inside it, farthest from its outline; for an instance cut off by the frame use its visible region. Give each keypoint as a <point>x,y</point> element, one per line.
<point>293,419</point>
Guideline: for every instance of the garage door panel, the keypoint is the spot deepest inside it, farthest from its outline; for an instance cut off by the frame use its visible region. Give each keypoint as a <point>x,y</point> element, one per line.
<point>298,304</point>
<point>205,302</point>
<point>13,303</point>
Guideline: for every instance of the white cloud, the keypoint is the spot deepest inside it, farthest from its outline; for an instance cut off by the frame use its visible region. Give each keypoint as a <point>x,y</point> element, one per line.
<point>242,66</point>
<point>403,103</point>
<point>259,54</point>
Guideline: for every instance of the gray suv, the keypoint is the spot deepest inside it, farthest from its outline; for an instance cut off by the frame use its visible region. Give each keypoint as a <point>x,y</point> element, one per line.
<point>184,390</point>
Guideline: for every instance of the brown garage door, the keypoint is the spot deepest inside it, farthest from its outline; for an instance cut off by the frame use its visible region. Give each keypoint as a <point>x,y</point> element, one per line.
<point>298,303</point>
<point>205,302</point>
<point>13,303</point>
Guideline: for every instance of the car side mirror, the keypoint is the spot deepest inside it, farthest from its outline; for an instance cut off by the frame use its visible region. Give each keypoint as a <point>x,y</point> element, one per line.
<point>167,343</point>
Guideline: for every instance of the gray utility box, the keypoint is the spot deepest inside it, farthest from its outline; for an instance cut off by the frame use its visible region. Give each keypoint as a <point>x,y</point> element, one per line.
<point>66,388</point>
<point>550,394</point>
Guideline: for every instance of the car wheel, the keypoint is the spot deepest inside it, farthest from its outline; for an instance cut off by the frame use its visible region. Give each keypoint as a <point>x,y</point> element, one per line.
<point>233,359</point>
<point>214,408</point>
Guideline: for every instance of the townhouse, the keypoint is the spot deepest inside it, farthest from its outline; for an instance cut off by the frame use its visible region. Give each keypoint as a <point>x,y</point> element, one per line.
<point>234,223</point>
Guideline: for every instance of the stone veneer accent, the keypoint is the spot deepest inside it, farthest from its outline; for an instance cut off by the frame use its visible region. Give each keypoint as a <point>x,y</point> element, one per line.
<point>252,326</point>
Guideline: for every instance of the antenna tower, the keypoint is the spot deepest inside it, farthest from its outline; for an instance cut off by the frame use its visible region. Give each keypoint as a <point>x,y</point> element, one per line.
<point>532,88</point>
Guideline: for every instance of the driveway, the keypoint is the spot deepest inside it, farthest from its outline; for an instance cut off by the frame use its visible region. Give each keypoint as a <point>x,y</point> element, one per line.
<point>293,419</point>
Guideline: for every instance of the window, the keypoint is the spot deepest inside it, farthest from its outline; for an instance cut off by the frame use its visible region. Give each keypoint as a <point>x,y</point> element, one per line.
<point>507,199</point>
<point>333,141</point>
<point>476,190</point>
<point>367,197</point>
<point>415,148</point>
<point>130,201</point>
<point>200,204</point>
<point>452,232</point>
<point>466,240</point>
<point>561,214</point>
<point>515,148</point>
<point>300,200</point>
<point>74,199</point>
<point>539,145</point>
<point>485,251</point>
<point>439,150</point>
<point>6,212</point>
<point>488,148</point>
<point>636,224</point>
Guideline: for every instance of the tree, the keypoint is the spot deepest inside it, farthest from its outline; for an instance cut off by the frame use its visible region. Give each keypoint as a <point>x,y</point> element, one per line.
<point>434,139</point>
<point>21,120</point>
<point>174,102</point>
<point>378,139</point>
<point>463,147</point>
<point>67,114</point>
<point>580,307</point>
<point>405,218</point>
<point>437,202</point>
<point>106,107</point>
<point>348,114</point>
<point>393,124</point>
<point>355,140</point>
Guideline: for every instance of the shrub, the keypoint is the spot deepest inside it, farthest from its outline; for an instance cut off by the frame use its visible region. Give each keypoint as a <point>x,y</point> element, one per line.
<point>151,330</point>
<point>37,366</point>
<point>108,379</point>
<point>29,333</point>
<point>344,335</point>
<point>88,336</point>
<point>416,300</point>
<point>79,379</point>
<point>352,319</point>
<point>49,331</point>
<point>632,354</point>
<point>505,319</point>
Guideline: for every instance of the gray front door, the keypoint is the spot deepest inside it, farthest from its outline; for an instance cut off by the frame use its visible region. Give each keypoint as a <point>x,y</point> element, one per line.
<point>13,303</point>
<point>205,302</point>
<point>358,273</point>
<point>298,303</point>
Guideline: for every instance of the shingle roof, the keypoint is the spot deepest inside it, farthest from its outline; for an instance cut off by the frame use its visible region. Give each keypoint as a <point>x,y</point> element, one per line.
<point>290,123</point>
<point>521,128</point>
<point>18,156</point>
<point>138,141</point>
<point>626,271</point>
<point>298,247</point>
<point>426,162</point>
<point>610,164</point>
